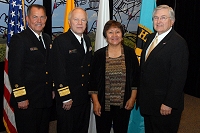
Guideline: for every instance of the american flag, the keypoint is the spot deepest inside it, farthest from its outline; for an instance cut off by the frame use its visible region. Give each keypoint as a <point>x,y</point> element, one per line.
<point>55,5</point>
<point>15,25</point>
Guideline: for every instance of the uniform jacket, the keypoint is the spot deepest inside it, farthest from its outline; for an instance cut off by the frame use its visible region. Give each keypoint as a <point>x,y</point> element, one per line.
<point>71,68</point>
<point>98,74</point>
<point>163,74</point>
<point>29,69</point>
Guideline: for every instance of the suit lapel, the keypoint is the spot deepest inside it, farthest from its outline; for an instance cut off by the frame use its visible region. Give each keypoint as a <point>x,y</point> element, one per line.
<point>88,45</point>
<point>149,40</point>
<point>35,42</point>
<point>160,45</point>
<point>47,44</point>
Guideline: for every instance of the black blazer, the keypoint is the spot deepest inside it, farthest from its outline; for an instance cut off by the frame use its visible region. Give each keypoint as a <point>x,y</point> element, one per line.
<point>98,74</point>
<point>163,74</point>
<point>71,68</point>
<point>29,68</point>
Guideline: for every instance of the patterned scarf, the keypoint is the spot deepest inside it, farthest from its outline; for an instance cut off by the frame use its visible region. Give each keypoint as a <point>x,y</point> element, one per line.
<point>115,80</point>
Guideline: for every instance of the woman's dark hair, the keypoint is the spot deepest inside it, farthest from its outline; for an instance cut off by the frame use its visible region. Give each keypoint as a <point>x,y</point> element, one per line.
<point>112,23</point>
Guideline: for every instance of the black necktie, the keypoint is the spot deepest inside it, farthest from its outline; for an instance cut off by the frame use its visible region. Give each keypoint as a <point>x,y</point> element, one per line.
<point>41,45</point>
<point>82,44</point>
<point>81,41</point>
<point>40,38</point>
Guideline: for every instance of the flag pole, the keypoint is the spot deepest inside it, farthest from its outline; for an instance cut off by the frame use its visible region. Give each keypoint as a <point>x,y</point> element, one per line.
<point>24,15</point>
<point>15,25</point>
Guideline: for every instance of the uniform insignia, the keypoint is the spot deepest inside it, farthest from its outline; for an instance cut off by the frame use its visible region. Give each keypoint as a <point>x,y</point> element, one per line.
<point>33,48</point>
<point>16,85</point>
<point>50,46</point>
<point>64,91</point>
<point>90,49</point>
<point>61,85</point>
<point>19,91</point>
<point>72,51</point>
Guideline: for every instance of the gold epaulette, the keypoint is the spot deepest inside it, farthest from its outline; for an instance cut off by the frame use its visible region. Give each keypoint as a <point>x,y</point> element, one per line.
<point>64,91</point>
<point>19,91</point>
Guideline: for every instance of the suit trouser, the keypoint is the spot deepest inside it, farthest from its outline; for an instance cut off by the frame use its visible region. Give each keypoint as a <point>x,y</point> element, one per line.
<point>32,120</point>
<point>162,124</point>
<point>75,120</point>
<point>119,118</point>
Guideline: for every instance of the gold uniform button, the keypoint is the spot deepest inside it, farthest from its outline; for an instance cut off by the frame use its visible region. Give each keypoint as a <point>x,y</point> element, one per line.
<point>46,82</point>
<point>82,84</point>
<point>82,66</point>
<point>47,73</point>
<point>82,75</point>
<point>88,64</point>
<point>88,73</point>
<point>16,85</point>
<point>61,85</point>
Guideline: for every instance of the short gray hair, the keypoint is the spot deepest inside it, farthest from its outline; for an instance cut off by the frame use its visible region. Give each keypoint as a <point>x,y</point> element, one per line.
<point>70,13</point>
<point>171,11</point>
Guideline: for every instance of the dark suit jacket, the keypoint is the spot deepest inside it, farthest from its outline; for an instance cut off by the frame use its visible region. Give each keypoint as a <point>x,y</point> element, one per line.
<point>71,68</point>
<point>163,74</point>
<point>29,69</point>
<point>98,74</point>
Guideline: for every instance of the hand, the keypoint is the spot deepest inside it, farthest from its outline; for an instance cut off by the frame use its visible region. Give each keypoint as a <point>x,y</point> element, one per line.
<point>165,110</point>
<point>67,105</point>
<point>23,104</point>
<point>97,108</point>
<point>130,104</point>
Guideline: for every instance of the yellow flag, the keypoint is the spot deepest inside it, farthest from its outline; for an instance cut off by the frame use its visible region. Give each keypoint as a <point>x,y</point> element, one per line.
<point>69,6</point>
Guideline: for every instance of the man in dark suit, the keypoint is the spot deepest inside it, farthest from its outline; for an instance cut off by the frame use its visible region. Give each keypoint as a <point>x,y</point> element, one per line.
<point>71,59</point>
<point>163,75</point>
<point>29,74</point>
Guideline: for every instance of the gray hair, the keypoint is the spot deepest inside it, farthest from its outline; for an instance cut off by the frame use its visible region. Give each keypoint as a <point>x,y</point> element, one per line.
<point>171,11</point>
<point>70,13</point>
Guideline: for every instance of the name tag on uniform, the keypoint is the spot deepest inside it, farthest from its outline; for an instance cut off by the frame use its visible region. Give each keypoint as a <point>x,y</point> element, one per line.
<point>33,48</point>
<point>72,51</point>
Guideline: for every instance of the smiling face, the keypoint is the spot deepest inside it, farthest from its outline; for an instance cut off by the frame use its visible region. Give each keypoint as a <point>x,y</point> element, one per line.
<point>78,21</point>
<point>36,19</point>
<point>114,36</point>
<point>162,21</point>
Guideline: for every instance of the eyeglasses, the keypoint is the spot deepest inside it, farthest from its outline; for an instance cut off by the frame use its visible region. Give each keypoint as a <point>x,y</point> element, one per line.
<point>76,20</point>
<point>162,18</point>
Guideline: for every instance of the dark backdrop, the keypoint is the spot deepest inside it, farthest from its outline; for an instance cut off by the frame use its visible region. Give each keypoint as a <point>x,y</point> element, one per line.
<point>187,24</point>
